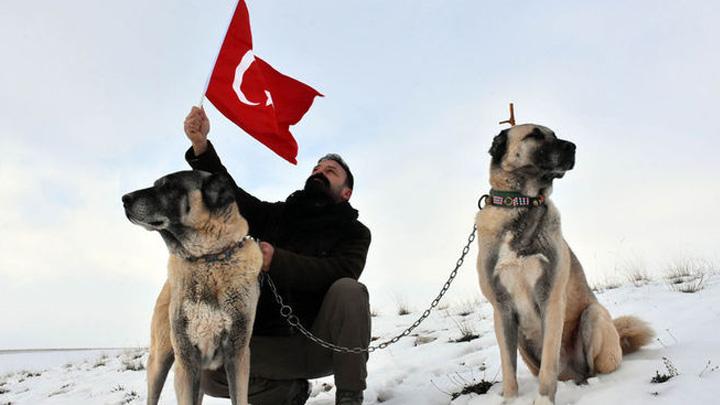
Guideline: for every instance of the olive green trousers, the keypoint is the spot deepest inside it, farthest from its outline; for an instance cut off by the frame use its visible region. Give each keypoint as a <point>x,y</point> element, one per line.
<point>279,365</point>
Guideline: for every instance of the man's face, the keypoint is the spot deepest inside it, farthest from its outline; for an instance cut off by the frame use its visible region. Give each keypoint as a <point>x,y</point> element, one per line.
<point>336,177</point>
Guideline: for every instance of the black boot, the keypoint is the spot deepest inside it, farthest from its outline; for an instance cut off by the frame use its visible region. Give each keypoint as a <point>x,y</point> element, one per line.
<point>343,397</point>
<point>264,391</point>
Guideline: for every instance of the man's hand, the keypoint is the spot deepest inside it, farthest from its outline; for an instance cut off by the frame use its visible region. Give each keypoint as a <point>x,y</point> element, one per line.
<point>267,252</point>
<point>197,127</point>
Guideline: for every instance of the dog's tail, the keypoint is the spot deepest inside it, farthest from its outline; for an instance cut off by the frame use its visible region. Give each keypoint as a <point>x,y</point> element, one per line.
<point>634,333</point>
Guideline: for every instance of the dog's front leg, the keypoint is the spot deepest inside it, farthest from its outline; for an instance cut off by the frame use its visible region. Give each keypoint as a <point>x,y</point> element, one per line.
<point>506,332</point>
<point>553,320</point>
<point>237,368</point>
<point>161,352</point>
<point>187,383</point>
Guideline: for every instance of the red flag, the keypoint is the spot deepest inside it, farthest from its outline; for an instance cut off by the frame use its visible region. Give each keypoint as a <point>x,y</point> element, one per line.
<point>253,95</point>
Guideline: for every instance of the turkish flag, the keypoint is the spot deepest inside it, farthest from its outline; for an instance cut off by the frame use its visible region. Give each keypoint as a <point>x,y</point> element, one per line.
<point>253,95</point>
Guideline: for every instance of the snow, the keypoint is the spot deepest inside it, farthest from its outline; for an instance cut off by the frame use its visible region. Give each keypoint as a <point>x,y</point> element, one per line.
<point>428,366</point>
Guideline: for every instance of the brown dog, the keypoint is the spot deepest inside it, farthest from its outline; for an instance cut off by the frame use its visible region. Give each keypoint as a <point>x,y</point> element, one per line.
<point>542,304</point>
<point>204,315</point>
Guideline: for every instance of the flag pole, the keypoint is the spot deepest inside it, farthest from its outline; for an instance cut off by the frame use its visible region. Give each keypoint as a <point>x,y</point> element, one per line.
<point>212,67</point>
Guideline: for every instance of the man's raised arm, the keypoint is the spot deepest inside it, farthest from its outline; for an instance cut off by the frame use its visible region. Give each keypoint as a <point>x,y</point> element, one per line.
<point>202,156</point>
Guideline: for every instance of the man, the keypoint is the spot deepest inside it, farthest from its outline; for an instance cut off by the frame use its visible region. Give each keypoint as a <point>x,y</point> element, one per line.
<point>314,249</point>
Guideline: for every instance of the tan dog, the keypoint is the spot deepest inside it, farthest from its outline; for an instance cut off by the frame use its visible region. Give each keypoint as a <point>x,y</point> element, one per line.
<point>542,304</point>
<point>204,315</point>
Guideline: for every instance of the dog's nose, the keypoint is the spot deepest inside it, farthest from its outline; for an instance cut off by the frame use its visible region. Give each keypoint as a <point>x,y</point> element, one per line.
<point>126,199</point>
<point>568,146</point>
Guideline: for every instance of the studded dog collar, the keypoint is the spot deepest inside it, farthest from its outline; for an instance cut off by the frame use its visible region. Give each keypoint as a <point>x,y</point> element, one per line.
<point>223,255</point>
<point>511,199</point>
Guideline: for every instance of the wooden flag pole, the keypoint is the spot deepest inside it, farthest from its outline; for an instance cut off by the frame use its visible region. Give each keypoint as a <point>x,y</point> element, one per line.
<point>510,121</point>
<point>212,67</point>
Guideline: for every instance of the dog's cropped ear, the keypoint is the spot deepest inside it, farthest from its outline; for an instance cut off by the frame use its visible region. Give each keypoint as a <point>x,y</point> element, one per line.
<point>218,191</point>
<point>499,146</point>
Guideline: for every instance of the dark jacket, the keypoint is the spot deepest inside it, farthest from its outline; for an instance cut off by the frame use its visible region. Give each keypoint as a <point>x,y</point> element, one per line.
<point>315,245</point>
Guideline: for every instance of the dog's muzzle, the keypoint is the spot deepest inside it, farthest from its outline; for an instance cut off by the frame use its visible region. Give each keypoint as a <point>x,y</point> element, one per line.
<point>567,155</point>
<point>135,211</point>
<point>557,156</point>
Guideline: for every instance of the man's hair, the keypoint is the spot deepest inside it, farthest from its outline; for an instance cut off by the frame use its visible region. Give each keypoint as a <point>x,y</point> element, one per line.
<point>350,181</point>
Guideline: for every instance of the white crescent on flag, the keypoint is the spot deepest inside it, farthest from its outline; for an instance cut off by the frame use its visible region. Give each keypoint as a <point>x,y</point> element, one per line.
<point>245,63</point>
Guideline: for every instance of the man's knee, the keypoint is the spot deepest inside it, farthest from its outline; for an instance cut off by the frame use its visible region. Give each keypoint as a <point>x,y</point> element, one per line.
<point>262,391</point>
<point>278,392</point>
<point>348,290</point>
<point>348,299</point>
<point>214,383</point>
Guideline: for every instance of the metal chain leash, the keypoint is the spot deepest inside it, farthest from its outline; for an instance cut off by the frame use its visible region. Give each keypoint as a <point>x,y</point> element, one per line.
<point>287,312</point>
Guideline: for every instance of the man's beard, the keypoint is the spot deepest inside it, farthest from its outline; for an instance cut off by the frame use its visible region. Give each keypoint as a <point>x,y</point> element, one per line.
<point>318,186</point>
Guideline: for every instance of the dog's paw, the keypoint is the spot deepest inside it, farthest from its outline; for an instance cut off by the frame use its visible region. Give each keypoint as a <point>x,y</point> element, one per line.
<point>508,399</point>
<point>542,400</point>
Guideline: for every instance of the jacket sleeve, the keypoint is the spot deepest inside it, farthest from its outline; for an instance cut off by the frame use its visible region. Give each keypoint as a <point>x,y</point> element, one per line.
<point>209,161</point>
<point>316,274</point>
<point>257,212</point>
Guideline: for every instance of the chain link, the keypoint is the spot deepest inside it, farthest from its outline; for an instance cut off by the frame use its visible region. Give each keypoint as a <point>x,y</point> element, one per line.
<point>287,312</point>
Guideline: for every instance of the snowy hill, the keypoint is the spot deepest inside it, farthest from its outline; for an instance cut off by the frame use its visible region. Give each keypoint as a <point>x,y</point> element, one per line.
<point>453,349</point>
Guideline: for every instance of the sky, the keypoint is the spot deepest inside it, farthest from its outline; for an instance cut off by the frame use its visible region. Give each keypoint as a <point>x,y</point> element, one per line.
<point>95,94</point>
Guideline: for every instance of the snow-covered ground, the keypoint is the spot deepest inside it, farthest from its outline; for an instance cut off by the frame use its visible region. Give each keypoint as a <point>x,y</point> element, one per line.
<point>428,366</point>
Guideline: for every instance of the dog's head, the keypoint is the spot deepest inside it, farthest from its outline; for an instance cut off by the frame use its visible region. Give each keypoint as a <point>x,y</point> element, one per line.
<point>195,212</point>
<point>529,156</point>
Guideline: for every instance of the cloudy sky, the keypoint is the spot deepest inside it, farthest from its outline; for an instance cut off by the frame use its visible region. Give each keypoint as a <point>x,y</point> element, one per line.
<point>94,95</point>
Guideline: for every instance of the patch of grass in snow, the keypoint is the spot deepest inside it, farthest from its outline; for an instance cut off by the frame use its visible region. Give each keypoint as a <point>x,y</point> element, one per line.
<point>709,368</point>
<point>467,330</point>
<point>634,271</point>
<point>30,374</point>
<point>24,375</point>
<point>61,390</point>
<point>101,362</point>
<point>132,360</point>
<point>403,309</point>
<point>606,284</point>
<point>638,277</point>
<point>466,337</point>
<point>671,372</point>
<point>467,307</point>
<point>134,354</point>
<point>130,397</point>
<point>402,306</point>
<point>687,275</point>
<point>479,388</point>
<point>473,386</point>
<point>132,365</point>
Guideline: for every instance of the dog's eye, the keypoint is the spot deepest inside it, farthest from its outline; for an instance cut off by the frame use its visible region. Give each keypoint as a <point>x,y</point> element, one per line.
<point>183,204</point>
<point>187,204</point>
